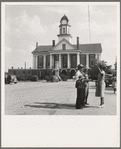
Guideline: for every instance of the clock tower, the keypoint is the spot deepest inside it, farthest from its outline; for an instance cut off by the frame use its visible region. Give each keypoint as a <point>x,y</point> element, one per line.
<point>64,29</point>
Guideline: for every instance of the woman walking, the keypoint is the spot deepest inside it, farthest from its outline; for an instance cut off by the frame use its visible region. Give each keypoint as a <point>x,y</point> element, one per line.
<point>101,85</point>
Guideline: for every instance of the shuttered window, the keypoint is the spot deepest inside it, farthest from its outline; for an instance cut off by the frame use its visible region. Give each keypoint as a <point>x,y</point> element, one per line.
<point>63,46</point>
<point>47,61</point>
<point>91,60</point>
<point>40,61</point>
<point>64,61</point>
<point>73,61</point>
<point>83,59</point>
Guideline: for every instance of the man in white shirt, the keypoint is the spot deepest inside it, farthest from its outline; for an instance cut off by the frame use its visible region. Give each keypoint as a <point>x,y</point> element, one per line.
<point>86,85</point>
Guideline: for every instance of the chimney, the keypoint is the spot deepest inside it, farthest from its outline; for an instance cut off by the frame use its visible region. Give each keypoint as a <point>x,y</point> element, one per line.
<point>78,43</point>
<point>53,43</point>
<point>36,44</point>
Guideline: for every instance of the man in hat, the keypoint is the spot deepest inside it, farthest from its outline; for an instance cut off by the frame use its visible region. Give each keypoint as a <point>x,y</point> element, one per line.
<point>79,77</point>
<point>86,85</point>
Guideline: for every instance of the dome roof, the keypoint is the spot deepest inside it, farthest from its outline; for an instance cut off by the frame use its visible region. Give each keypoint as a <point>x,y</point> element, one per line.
<point>64,18</point>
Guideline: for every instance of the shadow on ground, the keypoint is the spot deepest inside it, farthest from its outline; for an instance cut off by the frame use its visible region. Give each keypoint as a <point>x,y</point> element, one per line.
<point>55,105</point>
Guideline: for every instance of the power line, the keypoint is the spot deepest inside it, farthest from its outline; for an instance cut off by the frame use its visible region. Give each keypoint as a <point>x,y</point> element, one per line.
<point>89,25</point>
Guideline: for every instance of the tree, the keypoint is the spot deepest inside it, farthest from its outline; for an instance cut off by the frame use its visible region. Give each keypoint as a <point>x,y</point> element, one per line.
<point>97,63</point>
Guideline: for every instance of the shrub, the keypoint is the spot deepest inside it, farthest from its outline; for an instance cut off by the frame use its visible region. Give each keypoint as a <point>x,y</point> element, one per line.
<point>34,78</point>
<point>19,78</point>
<point>47,78</point>
<point>64,77</point>
<point>55,79</point>
<point>51,78</point>
<point>29,78</point>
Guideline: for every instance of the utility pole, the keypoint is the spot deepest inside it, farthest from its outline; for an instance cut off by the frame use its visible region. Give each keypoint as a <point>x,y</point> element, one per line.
<point>89,25</point>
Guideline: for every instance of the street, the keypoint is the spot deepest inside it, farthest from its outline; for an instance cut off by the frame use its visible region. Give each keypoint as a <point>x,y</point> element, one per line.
<point>57,98</point>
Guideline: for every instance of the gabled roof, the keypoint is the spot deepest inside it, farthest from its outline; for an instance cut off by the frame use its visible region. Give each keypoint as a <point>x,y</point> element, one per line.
<point>43,48</point>
<point>62,41</point>
<point>84,48</point>
<point>90,48</point>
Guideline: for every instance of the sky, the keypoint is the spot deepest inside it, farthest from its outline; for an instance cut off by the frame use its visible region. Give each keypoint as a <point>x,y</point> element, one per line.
<point>26,24</point>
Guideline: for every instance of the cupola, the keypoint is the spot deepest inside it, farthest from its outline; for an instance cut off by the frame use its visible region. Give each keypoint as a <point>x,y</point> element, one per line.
<point>64,29</point>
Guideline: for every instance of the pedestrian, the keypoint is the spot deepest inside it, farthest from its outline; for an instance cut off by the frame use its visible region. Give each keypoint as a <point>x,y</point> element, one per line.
<point>86,85</point>
<point>114,84</point>
<point>101,85</point>
<point>79,77</point>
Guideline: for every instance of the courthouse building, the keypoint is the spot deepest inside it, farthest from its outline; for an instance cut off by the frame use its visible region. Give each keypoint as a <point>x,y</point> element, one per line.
<point>67,54</point>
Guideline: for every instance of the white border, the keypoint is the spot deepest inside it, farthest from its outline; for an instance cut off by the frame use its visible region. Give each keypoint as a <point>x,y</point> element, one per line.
<point>58,131</point>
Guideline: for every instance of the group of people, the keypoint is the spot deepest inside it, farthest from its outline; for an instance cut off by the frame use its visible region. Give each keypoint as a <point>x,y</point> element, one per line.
<point>82,85</point>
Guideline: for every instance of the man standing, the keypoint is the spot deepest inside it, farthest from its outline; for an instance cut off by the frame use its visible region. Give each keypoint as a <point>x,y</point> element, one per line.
<point>86,92</point>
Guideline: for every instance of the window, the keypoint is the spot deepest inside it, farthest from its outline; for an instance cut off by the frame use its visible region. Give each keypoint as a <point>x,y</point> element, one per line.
<point>91,60</point>
<point>83,59</point>
<point>28,72</point>
<point>40,61</point>
<point>63,46</point>
<point>64,30</point>
<point>47,61</point>
<point>23,72</point>
<point>73,61</point>
<point>14,72</point>
<point>64,61</point>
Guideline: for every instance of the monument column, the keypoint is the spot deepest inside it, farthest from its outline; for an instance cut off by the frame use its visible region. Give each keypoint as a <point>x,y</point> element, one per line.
<point>78,61</point>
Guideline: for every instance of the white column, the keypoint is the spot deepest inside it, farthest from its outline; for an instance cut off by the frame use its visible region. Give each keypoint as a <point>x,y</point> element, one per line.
<point>68,60</point>
<point>36,62</point>
<point>87,60</point>
<point>59,60</point>
<point>78,62</point>
<point>50,60</point>
<point>99,57</point>
<point>33,61</point>
<point>96,56</point>
<point>44,62</point>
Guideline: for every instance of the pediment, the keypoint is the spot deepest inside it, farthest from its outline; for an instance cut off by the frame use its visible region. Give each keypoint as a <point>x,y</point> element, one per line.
<point>59,45</point>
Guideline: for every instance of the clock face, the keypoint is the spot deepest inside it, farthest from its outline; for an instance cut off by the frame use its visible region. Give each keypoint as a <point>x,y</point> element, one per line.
<point>64,22</point>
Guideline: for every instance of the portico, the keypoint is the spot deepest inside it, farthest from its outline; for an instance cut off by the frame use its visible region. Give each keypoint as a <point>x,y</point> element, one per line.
<point>66,60</point>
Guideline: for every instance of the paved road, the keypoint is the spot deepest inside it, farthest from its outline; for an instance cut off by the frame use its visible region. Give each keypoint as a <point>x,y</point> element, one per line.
<point>43,98</point>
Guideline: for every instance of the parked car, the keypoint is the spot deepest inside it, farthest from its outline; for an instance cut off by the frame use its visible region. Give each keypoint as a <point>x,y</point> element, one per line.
<point>10,79</point>
<point>108,79</point>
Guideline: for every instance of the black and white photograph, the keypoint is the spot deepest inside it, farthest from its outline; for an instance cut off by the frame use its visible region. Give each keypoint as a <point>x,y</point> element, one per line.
<point>60,70</point>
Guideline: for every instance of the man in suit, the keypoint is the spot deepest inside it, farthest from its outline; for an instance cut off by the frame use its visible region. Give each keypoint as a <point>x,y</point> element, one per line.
<point>86,92</point>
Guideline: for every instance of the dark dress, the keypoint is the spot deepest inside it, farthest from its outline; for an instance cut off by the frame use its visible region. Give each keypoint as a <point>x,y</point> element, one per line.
<point>80,85</point>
